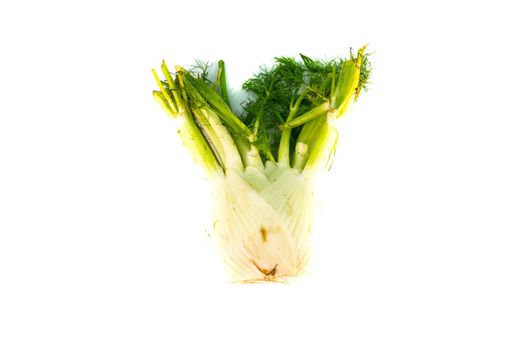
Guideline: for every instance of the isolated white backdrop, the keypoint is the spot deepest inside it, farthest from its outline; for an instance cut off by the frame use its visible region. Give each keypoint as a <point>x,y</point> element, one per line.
<point>420,241</point>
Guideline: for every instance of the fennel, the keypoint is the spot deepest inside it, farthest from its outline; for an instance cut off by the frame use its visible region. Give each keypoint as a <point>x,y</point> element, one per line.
<point>263,162</point>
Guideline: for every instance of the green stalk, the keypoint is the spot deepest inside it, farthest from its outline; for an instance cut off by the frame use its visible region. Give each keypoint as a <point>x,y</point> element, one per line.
<point>347,89</point>
<point>308,116</point>
<point>165,94</point>
<point>219,139</point>
<point>301,153</point>
<point>310,135</point>
<point>219,105</point>
<point>164,104</point>
<point>320,146</point>
<point>195,142</point>
<point>167,75</point>
<point>222,82</point>
<point>284,142</point>
<point>284,147</point>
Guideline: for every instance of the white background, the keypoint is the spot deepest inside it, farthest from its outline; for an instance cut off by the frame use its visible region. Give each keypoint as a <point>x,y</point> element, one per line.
<point>421,226</point>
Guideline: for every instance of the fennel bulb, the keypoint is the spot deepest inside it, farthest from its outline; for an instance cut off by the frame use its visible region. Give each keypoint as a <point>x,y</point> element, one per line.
<point>263,163</point>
